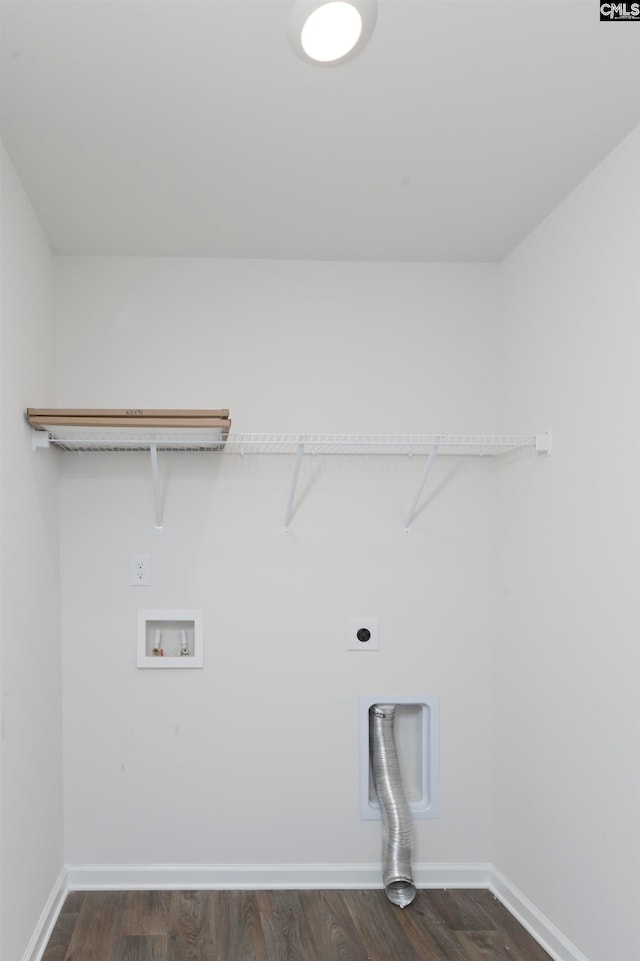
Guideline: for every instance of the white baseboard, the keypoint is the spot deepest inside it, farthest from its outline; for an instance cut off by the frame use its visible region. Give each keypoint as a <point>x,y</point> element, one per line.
<point>148,877</point>
<point>255,876</point>
<point>546,934</point>
<point>48,918</point>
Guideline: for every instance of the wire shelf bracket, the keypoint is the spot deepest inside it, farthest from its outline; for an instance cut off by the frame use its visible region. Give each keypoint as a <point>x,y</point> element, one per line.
<point>153,449</point>
<point>425,474</point>
<point>294,483</point>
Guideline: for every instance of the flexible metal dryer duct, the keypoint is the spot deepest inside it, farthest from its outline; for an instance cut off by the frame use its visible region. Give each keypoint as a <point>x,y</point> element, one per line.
<point>397,827</point>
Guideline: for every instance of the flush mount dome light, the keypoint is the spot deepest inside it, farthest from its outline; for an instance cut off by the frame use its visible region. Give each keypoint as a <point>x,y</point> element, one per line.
<point>330,31</point>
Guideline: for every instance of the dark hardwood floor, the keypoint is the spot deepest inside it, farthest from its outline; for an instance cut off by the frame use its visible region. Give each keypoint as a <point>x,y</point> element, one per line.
<point>452,925</point>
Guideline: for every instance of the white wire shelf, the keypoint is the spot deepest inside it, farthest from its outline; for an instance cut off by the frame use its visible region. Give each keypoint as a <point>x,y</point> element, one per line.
<point>83,439</point>
<point>202,439</point>
<point>94,439</point>
<point>470,445</point>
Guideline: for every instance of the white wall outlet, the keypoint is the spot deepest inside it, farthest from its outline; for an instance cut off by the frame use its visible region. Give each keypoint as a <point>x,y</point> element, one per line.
<point>140,570</point>
<point>362,634</point>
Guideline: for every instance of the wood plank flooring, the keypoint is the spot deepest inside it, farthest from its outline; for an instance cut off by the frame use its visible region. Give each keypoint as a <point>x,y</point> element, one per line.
<point>327,925</point>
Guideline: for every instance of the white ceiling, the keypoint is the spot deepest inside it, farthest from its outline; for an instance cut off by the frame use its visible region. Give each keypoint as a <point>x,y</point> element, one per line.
<point>191,128</point>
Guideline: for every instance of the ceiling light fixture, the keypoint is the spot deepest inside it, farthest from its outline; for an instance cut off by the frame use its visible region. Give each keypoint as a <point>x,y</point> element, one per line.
<point>330,31</point>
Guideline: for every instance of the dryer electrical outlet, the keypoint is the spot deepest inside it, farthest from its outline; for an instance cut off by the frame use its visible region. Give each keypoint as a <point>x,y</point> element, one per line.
<point>363,634</point>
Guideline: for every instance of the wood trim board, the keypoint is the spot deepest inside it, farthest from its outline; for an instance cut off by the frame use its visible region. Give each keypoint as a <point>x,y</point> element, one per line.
<point>42,418</point>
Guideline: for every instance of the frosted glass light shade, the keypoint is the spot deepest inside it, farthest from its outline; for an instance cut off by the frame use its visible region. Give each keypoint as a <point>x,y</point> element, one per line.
<point>326,32</point>
<point>331,32</point>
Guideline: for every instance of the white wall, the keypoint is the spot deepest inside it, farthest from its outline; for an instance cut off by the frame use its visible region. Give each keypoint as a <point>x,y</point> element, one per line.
<point>567,823</point>
<point>31,760</point>
<point>254,760</point>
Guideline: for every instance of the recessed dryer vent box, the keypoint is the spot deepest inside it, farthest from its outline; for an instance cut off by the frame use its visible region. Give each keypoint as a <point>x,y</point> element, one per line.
<point>416,733</point>
<point>170,639</point>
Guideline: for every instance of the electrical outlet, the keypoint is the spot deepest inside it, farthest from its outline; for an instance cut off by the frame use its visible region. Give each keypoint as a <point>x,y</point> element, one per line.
<point>140,570</point>
<point>362,634</point>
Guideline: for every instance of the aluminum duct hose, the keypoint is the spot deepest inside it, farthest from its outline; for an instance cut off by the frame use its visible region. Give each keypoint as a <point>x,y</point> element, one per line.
<point>397,827</point>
